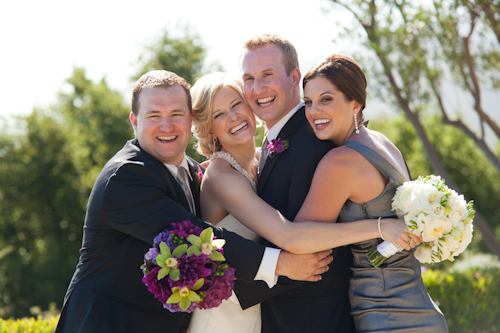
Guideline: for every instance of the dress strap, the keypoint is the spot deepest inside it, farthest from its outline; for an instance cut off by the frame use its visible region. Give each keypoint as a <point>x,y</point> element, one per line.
<point>236,166</point>
<point>377,160</point>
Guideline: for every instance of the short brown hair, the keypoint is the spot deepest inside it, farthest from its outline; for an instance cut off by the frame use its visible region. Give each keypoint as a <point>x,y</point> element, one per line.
<point>345,74</point>
<point>158,79</point>
<point>290,58</point>
<point>204,91</point>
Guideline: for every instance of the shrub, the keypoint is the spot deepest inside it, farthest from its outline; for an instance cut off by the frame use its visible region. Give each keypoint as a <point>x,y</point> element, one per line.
<point>32,325</point>
<point>470,300</point>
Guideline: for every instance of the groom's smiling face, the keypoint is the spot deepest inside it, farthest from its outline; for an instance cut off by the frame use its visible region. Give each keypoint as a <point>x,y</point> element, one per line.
<point>268,89</point>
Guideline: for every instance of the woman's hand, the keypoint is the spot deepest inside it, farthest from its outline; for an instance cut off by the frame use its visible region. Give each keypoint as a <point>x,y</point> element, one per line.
<point>396,231</point>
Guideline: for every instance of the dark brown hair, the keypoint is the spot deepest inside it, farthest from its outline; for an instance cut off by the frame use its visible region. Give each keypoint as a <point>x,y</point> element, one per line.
<point>345,74</point>
<point>161,79</point>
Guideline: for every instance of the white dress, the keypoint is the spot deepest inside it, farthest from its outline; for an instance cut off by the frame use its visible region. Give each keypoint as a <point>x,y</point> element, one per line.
<point>228,317</point>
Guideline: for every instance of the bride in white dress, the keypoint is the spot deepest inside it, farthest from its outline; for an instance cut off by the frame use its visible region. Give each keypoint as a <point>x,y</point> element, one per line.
<point>225,127</point>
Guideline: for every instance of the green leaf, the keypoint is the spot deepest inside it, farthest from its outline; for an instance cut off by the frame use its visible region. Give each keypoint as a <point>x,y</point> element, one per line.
<point>193,249</point>
<point>184,303</point>
<point>163,272</point>
<point>217,256</point>
<point>174,298</point>
<point>180,250</point>
<point>174,274</point>
<point>195,240</point>
<point>198,284</point>
<point>207,235</point>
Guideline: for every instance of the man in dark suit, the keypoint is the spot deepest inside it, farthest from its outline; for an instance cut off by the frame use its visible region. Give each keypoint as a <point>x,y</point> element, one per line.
<point>136,196</point>
<point>271,78</point>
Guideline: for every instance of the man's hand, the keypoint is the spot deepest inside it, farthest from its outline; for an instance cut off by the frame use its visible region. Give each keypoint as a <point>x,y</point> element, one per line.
<point>303,267</point>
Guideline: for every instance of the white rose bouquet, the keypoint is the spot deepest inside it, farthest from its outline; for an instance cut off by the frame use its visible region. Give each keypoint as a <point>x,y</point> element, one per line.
<point>436,213</point>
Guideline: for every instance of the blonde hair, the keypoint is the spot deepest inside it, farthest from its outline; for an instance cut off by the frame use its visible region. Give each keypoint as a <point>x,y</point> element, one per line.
<point>203,92</point>
<point>290,58</point>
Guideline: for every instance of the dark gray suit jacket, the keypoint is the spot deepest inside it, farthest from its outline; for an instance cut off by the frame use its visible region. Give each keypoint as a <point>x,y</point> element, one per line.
<point>293,306</point>
<point>133,199</point>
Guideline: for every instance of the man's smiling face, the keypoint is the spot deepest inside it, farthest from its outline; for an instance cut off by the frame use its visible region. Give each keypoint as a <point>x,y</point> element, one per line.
<point>163,123</point>
<point>268,89</point>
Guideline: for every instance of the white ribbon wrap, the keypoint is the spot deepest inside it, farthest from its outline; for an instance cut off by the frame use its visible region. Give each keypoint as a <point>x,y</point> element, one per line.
<point>387,249</point>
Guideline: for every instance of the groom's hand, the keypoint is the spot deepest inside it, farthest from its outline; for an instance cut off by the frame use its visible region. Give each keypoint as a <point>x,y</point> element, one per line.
<point>303,267</point>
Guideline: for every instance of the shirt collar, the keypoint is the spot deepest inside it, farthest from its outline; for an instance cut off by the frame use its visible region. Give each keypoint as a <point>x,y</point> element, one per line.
<point>276,129</point>
<point>175,169</point>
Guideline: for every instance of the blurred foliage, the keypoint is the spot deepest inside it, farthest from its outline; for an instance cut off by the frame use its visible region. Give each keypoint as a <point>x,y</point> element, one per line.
<point>31,325</point>
<point>470,300</point>
<point>182,53</point>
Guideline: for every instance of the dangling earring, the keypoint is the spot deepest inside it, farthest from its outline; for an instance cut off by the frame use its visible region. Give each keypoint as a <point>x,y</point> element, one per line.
<point>356,124</point>
<point>214,141</point>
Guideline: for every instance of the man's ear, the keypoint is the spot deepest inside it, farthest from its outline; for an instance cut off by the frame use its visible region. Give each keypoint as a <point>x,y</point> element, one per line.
<point>295,75</point>
<point>133,121</point>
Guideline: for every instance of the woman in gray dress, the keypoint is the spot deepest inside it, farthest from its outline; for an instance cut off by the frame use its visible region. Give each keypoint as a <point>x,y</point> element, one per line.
<point>355,181</point>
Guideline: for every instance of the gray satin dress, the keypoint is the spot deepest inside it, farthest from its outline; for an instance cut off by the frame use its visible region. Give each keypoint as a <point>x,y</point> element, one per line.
<point>392,297</point>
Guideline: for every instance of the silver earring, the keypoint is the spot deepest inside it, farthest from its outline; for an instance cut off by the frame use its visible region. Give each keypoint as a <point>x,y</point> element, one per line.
<point>356,124</point>
<point>214,141</point>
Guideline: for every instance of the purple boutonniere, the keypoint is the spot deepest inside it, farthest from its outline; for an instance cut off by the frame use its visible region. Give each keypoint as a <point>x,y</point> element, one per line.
<point>199,178</point>
<point>277,146</point>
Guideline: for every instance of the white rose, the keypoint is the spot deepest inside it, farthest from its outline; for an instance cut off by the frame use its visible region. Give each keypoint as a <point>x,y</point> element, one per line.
<point>424,253</point>
<point>448,246</point>
<point>426,197</point>
<point>402,198</point>
<point>417,223</point>
<point>466,239</point>
<point>435,229</point>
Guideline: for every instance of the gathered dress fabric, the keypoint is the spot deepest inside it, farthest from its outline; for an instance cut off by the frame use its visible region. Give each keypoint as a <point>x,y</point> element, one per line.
<point>392,297</point>
<point>229,317</point>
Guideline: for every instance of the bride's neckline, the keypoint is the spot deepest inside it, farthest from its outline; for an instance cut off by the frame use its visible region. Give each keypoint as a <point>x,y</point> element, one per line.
<point>231,160</point>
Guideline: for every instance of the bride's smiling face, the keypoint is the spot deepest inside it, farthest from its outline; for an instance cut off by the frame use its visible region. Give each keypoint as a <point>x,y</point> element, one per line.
<point>233,123</point>
<point>328,111</point>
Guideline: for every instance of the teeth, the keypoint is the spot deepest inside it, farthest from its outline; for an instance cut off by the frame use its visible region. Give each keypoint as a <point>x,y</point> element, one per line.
<point>237,128</point>
<point>321,121</point>
<point>265,101</point>
<point>166,138</point>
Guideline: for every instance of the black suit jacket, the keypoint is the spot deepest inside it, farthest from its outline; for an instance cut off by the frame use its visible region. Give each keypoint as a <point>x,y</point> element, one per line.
<point>293,306</point>
<point>133,199</point>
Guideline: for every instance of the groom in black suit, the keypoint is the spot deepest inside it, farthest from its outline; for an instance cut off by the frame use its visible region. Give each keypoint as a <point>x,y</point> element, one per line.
<point>271,78</point>
<point>136,196</point>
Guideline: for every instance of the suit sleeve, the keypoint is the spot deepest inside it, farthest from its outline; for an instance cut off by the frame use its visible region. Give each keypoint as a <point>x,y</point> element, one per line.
<point>138,201</point>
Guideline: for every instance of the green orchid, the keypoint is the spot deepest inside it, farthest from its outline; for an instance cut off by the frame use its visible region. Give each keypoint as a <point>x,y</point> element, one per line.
<point>184,296</point>
<point>206,244</point>
<point>168,261</point>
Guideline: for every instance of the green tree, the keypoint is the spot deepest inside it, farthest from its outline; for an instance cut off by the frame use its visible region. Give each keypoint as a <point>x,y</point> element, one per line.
<point>41,214</point>
<point>47,170</point>
<point>183,54</point>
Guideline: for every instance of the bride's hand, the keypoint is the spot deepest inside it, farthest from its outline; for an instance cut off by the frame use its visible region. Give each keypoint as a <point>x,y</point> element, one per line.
<point>396,231</point>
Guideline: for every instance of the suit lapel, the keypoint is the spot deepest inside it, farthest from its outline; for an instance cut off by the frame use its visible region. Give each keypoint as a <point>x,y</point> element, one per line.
<point>286,132</point>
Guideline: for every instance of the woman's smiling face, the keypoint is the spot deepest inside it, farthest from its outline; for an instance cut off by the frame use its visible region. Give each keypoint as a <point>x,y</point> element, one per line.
<point>328,111</point>
<point>233,123</point>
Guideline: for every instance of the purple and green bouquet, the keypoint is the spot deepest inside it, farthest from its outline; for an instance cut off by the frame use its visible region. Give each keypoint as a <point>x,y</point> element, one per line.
<point>186,269</point>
